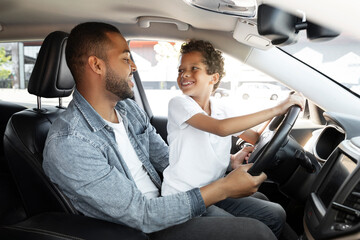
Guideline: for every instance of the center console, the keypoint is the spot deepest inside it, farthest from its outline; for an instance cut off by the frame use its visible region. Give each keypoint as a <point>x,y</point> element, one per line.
<point>333,208</point>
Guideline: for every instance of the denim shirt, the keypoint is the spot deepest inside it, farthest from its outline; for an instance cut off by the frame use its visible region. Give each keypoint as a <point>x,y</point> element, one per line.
<point>81,156</point>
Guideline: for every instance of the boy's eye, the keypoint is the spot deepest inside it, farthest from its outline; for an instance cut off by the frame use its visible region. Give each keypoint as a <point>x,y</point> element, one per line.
<point>195,68</point>
<point>180,70</point>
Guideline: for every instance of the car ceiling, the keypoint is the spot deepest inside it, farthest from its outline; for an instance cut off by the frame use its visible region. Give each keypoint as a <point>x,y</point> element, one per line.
<point>16,15</point>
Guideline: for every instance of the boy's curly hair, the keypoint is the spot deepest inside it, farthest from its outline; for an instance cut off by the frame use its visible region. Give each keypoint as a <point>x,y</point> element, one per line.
<point>212,58</point>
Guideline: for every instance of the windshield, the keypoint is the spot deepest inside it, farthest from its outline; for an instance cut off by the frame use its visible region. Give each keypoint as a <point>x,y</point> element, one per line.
<point>338,58</point>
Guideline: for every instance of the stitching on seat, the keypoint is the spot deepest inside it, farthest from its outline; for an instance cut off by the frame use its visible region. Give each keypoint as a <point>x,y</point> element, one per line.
<point>44,232</point>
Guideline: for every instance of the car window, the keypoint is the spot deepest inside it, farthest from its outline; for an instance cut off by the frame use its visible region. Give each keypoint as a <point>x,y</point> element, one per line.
<point>17,60</point>
<point>243,88</point>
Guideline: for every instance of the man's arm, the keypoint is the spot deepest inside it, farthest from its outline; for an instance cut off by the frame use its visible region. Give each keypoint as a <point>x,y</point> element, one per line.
<point>97,184</point>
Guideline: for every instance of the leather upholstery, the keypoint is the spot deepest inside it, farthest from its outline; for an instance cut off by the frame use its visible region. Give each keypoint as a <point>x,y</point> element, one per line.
<point>51,77</point>
<point>11,208</point>
<point>7,109</point>
<point>60,226</point>
<point>24,140</point>
<point>26,131</point>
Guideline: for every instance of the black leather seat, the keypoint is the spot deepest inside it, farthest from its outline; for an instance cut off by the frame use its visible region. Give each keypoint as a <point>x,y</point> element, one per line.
<point>50,214</point>
<point>26,131</point>
<point>11,208</point>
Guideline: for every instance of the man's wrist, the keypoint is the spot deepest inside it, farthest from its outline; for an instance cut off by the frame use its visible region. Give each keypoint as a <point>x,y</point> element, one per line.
<point>214,192</point>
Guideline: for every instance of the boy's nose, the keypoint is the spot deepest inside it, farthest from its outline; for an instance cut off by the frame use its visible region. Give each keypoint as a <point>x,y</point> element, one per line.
<point>185,75</point>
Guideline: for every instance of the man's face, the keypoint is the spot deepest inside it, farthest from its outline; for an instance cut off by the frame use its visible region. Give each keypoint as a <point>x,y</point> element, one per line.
<point>119,68</point>
<point>118,85</point>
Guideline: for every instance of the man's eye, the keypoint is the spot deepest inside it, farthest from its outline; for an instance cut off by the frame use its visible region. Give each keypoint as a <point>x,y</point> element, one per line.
<point>127,60</point>
<point>180,71</point>
<point>195,68</point>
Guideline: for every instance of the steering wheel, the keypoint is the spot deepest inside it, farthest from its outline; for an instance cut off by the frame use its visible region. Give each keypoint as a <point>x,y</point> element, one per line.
<point>271,140</point>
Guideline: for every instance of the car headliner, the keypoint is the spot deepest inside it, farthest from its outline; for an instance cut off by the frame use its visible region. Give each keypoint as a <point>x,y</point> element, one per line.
<point>34,19</point>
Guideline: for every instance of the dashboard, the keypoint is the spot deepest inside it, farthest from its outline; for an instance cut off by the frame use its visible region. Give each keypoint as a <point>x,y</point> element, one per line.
<point>332,210</point>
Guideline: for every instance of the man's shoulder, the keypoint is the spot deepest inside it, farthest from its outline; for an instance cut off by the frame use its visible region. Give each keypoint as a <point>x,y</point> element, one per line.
<point>66,122</point>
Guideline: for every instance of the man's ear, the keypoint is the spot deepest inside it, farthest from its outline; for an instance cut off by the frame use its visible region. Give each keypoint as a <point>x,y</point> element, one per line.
<point>96,65</point>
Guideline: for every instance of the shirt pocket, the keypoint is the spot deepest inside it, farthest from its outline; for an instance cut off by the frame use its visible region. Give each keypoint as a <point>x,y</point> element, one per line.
<point>142,138</point>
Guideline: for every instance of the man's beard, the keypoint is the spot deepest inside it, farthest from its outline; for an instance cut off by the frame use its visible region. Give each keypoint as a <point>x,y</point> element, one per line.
<point>117,85</point>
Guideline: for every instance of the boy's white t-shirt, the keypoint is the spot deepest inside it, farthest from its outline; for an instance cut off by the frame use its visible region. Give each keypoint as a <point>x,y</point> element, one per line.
<point>196,157</point>
<point>140,176</point>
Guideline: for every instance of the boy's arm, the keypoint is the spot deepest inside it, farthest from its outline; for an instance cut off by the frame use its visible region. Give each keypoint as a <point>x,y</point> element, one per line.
<point>225,127</point>
<point>228,126</point>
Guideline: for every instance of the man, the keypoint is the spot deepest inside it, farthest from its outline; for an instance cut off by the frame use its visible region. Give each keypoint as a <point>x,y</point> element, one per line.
<point>104,154</point>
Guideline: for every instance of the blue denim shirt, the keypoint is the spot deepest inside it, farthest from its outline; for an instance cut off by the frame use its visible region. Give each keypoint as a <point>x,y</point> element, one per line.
<point>81,156</point>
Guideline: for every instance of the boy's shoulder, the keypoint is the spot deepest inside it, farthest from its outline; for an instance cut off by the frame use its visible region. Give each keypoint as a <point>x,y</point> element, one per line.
<point>182,99</point>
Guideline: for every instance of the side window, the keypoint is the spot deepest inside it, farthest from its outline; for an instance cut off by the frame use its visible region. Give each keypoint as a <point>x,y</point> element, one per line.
<point>17,60</point>
<point>157,64</point>
<point>244,88</point>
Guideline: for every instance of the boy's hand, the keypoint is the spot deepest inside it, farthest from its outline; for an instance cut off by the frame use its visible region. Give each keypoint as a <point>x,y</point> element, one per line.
<point>241,156</point>
<point>294,98</point>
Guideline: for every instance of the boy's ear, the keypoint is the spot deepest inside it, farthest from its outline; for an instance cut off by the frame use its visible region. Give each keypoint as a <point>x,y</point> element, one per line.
<point>96,64</point>
<point>215,78</point>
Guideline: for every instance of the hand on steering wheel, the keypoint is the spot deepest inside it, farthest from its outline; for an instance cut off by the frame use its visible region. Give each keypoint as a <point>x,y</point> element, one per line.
<point>271,140</point>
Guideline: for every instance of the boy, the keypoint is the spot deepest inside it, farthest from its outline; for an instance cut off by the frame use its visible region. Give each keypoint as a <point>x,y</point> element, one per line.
<point>199,132</point>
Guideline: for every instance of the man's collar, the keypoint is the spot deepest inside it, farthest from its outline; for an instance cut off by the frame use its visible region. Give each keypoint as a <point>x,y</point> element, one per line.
<point>95,121</point>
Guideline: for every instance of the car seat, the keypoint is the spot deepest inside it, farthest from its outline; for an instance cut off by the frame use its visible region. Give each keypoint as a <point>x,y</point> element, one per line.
<point>11,209</point>
<point>27,130</point>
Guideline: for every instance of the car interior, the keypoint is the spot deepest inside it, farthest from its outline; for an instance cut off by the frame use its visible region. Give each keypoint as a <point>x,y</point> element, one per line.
<point>312,158</point>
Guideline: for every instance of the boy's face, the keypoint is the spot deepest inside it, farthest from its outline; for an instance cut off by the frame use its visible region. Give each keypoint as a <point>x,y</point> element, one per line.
<point>193,79</point>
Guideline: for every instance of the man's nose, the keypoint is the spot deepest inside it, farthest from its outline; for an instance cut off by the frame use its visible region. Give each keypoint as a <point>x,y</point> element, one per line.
<point>133,66</point>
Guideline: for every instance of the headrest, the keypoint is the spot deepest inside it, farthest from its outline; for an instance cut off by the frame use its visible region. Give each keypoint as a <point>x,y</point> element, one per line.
<point>51,77</point>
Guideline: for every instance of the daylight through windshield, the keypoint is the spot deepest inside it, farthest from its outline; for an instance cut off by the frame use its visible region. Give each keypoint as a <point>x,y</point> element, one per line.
<point>338,58</point>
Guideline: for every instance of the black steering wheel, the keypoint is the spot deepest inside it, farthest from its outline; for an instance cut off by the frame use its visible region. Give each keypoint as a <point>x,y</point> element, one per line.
<point>271,140</point>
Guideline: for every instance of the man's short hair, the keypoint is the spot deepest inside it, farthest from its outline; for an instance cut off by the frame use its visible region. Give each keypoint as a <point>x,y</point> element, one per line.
<point>85,40</point>
<point>212,58</point>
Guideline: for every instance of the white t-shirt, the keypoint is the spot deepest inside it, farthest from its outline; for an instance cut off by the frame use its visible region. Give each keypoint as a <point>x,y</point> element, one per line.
<point>196,158</point>
<point>140,176</point>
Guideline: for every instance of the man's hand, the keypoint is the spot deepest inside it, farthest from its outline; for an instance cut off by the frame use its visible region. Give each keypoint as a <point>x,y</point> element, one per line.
<point>241,156</point>
<point>236,184</point>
